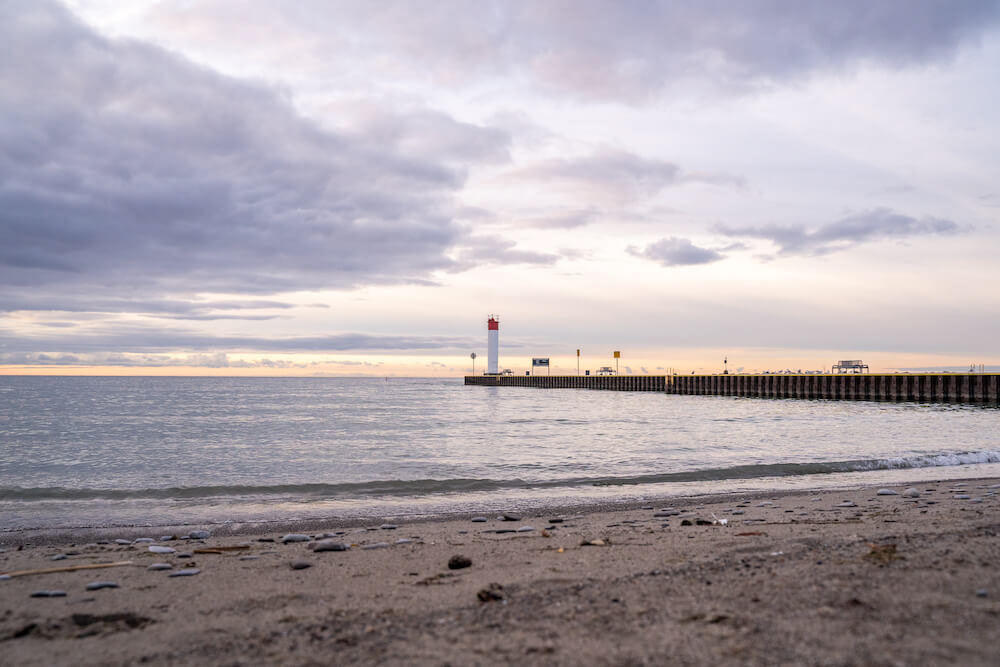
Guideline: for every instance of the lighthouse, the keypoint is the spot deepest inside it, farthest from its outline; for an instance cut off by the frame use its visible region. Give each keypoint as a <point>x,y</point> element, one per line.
<point>493,345</point>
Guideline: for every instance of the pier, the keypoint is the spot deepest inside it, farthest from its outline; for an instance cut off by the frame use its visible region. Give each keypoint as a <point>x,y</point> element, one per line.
<point>979,388</point>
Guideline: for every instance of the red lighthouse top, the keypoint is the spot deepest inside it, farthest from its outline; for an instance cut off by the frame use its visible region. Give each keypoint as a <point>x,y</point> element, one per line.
<point>493,324</point>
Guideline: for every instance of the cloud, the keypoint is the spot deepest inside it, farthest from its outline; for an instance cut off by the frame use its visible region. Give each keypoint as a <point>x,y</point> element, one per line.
<point>128,173</point>
<point>676,252</point>
<point>875,225</point>
<point>629,50</point>
<point>486,250</point>
<point>130,338</point>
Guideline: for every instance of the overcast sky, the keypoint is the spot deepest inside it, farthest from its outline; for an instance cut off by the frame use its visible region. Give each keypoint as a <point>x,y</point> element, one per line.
<point>324,187</point>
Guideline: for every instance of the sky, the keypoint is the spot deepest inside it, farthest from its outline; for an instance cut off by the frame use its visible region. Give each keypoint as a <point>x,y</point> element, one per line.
<point>223,187</point>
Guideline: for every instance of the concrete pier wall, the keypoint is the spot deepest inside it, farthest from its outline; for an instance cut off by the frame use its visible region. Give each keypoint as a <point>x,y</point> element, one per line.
<point>922,388</point>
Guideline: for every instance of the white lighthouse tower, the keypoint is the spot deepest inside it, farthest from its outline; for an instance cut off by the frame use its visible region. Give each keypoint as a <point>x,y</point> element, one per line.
<point>493,346</point>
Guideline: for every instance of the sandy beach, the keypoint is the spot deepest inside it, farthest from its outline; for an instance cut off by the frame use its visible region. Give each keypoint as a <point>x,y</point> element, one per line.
<point>846,577</point>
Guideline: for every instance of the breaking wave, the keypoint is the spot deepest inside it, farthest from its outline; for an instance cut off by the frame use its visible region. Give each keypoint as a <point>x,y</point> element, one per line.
<point>425,487</point>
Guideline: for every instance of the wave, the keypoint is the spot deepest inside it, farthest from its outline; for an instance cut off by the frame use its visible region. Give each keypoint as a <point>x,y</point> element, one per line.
<point>423,487</point>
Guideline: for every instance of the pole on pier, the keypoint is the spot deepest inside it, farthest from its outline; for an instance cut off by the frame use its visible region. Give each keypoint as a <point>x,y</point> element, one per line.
<point>618,355</point>
<point>577,361</point>
<point>473,357</point>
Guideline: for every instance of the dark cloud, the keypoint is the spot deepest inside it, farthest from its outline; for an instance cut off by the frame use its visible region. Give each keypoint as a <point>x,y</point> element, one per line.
<point>876,225</point>
<point>676,252</point>
<point>130,174</point>
<point>629,49</point>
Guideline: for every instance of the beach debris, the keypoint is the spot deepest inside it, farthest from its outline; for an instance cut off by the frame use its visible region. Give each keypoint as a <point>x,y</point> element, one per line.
<point>439,578</point>
<point>67,568</point>
<point>510,517</point>
<point>882,553</point>
<point>222,549</point>
<point>160,566</point>
<point>749,533</point>
<point>157,549</point>
<point>479,519</point>
<point>719,522</point>
<point>300,564</point>
<point>886,492</point>
<point>98,585</point>
<point>459,562</point>
<point>187,572</point>
<point>595,543</point>
<point>375,545</point>
<point>49,594</point>
<point>329,545</point>
<point>492,593</point>
<point>294,537</point>
<point>199,534</point>
<point>911,492</point>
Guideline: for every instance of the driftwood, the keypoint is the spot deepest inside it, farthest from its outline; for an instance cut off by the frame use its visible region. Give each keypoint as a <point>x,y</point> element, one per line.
<point>220,550</point>
<point>67,568</point>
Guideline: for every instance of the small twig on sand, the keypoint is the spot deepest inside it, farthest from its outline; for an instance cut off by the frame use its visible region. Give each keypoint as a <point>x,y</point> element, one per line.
<point>67,568</point>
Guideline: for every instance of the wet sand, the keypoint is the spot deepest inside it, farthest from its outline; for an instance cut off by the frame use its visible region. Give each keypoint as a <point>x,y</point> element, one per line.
<point>845,577</point>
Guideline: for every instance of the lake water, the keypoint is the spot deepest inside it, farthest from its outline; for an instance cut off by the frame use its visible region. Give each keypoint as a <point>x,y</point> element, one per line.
<point>109,451</point>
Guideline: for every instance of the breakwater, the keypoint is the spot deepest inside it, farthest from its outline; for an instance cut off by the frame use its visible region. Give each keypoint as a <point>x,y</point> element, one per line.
<point>920,387</point>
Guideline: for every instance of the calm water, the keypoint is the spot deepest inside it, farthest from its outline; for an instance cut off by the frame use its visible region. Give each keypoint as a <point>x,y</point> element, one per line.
<point>123,451</point>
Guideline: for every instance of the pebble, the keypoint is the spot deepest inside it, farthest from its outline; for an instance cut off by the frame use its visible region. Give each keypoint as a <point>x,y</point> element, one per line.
<point>886,492</point>
<point>376,545</point>
<point>981,593</point>
<point>846,503</point>
<point>157,549</point>
<point>404,540</point>
<point>911,493</point>
<point>265,539</point>
<point>98,585</point>
<point>199,534</point>
<point>49,594</point>
<point>738,512</point>
<point>388,526</point>
<point>59,557</point>
<point>142,540</point>
<point>294,537</point>
<point>185,555</point>
<point>5,577</point>
<point>962,496</point>
<point>479,519</point>
<point>300,564</point>
<point>123,542</point>
<point>525,529</point>
<point>250,557</point>
<point>329,545</point>
<point>160,566</point>
<point>458,562</point>
<point>556,520</point>
<point>188,572</point>
<point>166,538</point>
<point>510,517</point>
<point>765,503</point>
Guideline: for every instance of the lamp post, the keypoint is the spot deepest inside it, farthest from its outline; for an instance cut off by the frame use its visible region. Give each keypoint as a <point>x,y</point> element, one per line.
<point>473,357</point>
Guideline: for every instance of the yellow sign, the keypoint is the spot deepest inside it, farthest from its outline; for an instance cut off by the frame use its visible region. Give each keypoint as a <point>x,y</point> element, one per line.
<point>618,354</point>
<point>578,352</point>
